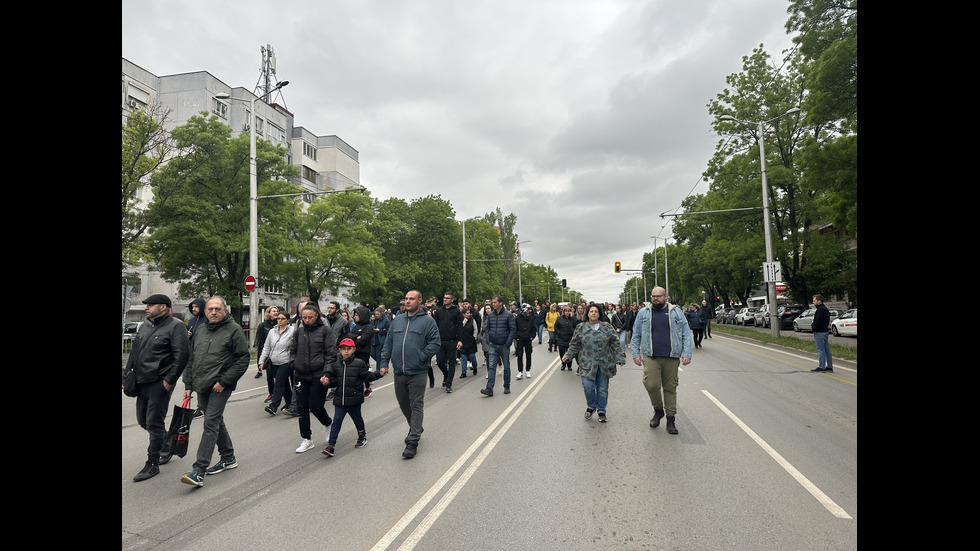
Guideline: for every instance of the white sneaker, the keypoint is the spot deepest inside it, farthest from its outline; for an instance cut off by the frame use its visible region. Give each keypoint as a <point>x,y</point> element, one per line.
<point>528,374</point>
<point>306,445</point>
<point>520,375</point>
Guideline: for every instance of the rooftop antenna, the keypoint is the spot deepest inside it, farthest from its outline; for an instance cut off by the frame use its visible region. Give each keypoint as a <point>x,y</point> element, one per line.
<point>267,76</point>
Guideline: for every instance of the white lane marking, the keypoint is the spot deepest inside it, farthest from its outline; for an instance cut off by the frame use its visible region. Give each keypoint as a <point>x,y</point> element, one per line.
<point>423,502</point>
<point>824,500</point>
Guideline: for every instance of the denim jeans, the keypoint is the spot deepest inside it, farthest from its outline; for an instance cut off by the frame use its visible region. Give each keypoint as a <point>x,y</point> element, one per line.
<point>622,338</point>
<point>499,353</point>
<point>597,391</point>
<point>339,412</point>
<point>540,332</point>
<point>824,359</point>
<point>215,433</point>
<point>465,360</point>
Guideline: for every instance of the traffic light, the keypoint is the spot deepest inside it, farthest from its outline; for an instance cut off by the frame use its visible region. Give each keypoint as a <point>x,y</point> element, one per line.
<point>618,267</point>
<point>564,283</point>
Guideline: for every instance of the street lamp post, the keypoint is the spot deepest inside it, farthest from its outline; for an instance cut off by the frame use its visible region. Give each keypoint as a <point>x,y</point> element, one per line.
<point>761,138</point>
<point>253,211</point>
<point>520,258</point>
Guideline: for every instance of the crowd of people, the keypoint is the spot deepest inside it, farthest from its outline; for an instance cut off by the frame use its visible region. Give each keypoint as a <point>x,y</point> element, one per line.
<point>313,357</point>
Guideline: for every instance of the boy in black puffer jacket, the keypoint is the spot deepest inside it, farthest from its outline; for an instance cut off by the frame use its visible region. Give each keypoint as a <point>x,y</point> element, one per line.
<point>348,375</point>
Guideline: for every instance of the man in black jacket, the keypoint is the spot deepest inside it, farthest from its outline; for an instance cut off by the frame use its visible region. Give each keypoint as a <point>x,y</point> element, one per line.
<point>159,356</point>
<point>525,334</point>
<point>821,324</point>
<point>449,320</point>
<point>314,351</point>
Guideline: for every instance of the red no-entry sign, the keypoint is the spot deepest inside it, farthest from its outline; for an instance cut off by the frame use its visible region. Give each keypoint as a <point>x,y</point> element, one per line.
<point>250,283</point>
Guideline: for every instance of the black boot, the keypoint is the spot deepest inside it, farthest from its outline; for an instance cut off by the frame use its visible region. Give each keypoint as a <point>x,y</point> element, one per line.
<point>658,414</point>
<point>150,470</point>
<point>670,425</point>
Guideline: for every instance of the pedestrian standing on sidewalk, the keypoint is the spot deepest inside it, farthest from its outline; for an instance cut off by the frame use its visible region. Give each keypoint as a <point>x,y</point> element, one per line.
<point>159,356</point>
<point>218,359</point>
<point>709,314</point>
<point>821,324</point>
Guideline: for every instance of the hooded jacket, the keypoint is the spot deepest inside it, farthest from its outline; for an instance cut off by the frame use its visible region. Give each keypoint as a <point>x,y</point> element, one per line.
<point>362,333</point>
<point>197,320</point>
<point>314,349</point>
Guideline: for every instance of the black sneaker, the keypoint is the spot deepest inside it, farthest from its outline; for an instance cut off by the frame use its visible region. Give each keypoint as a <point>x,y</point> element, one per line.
<point>410,451</point>
<point>486,391</point>
<point>199,413</point>
<point>506,390</point>
<point>368,391</point>
<point>149,471</point>
<point>449,389</point>
<point>361,442</point>
<point>270,410</point>
<point>328,451</point>
<point>602,417</point>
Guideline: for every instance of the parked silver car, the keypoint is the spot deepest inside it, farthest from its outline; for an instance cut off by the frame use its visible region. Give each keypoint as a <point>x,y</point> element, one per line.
<point>805,320</point>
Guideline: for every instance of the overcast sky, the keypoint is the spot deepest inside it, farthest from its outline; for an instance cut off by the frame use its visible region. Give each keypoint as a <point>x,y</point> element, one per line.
<point>584,118</point>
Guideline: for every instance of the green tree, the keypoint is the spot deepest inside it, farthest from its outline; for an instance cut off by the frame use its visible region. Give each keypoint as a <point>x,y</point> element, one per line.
<point>200,236</point>
<point>146,146</point>
<point>333,248</point>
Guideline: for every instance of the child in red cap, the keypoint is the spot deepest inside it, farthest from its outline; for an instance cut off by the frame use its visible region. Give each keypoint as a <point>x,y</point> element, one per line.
<point>348,376</point>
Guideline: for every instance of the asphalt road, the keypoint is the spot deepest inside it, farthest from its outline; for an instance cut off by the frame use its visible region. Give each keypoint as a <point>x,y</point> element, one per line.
<point>766,458</point>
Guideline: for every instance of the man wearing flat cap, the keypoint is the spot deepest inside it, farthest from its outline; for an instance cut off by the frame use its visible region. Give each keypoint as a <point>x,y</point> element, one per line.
<point>159,355</point>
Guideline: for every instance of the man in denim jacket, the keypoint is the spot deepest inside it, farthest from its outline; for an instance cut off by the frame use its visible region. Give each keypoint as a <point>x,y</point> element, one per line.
<point>661,342</point>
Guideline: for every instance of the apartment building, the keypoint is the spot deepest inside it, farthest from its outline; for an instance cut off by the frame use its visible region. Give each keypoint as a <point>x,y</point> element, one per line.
<point>324,162</point>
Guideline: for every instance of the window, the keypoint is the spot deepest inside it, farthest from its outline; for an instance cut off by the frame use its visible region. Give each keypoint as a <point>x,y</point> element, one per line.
<point>219,108</point>
<point>309,151</point>
<point>309,174</point>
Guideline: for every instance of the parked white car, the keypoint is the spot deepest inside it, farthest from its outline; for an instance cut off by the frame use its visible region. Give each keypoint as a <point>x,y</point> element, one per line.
<point>805,321</point>
<point>846,324</point>
<point>746,316</point>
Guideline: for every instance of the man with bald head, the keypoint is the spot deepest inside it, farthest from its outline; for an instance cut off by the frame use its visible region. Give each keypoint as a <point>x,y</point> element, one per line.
<point>413,338</point>
<point>661,343</point>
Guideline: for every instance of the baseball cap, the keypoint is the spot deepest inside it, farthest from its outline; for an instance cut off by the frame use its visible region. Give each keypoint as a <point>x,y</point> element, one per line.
<point>346,342</point>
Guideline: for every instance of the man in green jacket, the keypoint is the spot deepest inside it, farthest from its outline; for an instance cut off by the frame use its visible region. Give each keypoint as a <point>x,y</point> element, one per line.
<point>218,359</point>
